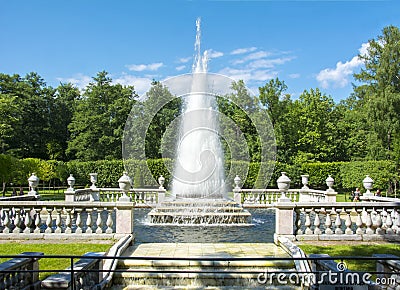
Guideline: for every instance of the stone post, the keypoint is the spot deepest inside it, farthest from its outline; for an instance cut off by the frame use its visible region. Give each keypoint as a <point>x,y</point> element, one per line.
<point>161,194</point>
<point>124,218</point>
<point>284,220</point>
<point>236,191</point>
<point>304,195</point>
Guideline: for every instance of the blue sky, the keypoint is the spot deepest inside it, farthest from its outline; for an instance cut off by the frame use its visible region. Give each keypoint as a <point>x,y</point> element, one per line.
<point>307,44</point>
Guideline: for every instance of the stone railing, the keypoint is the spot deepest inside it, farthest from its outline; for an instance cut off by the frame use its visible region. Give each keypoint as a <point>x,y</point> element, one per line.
<point>378,198</point>
<point>20,273</point>
<point>140,196</point>
<point>268,197</point>
<point>340,221</point>
<point>42,218</point>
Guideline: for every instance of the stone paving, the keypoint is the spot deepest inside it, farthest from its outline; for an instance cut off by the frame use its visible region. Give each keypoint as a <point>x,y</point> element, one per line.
<point>226,250</point>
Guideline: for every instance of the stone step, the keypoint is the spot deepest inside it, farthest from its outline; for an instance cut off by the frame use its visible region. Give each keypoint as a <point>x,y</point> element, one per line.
<point>197,278</point>
<point>160,263</point>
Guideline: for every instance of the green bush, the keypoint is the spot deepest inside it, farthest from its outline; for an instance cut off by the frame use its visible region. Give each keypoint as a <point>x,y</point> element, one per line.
<point>382,172</point>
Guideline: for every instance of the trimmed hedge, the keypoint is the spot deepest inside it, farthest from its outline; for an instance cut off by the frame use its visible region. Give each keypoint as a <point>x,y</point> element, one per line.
<point>347,175</point>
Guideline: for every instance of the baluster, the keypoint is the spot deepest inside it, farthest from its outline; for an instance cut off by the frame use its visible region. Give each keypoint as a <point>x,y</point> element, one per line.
<point>348,224</point>
<point>317,223</point>
<point>89,222</point>
<point>389,224</point>
<point>328,223</point>
<point>17,221</point>
<point>27,221</point>
<point>6,222</point>
<point>396,221</point>
<point>58,221</point>
<point>68,221</point>
<point>377,223</point>
<point>298,222</point>
<point>368,223</point>
<point>49,222</point>
<point>78,221</point>
<point>99,222</point>
<point>338,224</point>
<point>109,222</point>
<point>307,223</point>
<point>384,215</point>
<point>359,223</point>
<point>37,221</point>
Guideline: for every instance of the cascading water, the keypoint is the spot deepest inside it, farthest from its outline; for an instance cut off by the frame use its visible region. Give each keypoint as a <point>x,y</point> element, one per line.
<point>199,167</point>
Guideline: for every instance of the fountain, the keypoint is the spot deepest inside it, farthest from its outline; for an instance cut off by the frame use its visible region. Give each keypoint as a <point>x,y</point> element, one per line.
<point>199,194</point>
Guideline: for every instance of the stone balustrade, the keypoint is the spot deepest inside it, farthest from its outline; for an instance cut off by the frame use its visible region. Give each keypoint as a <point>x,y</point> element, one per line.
<point>340,221</point>
<point>140,196</point>
<point>267,197</point>
<point>42,218</point>
<point>20,272</point>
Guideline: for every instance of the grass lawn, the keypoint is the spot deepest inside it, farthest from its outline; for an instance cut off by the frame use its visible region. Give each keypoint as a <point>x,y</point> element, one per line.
<point>355,249</point>
<point>66,248</point>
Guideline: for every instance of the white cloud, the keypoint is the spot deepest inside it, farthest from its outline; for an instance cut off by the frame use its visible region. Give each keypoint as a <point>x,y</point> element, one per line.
<point>339,76</point>
<point>181,67</point>
<point>294,76</point>
<point>79,80</point>
<point>213,53</point>
<point>268,63</point>
<point>143,67</point>
<point>184,59</point>
<point>252,56</point>
<point>243,50</point>
<point>141,84</point>
<point>248,75</point>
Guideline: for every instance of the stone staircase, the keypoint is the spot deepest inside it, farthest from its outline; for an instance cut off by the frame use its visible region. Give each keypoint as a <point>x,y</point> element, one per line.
<point>201,266</point>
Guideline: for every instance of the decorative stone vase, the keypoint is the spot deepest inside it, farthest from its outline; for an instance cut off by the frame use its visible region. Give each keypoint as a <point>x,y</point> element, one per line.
<point>124,182</point>
<point>237,181</point>
<point>161,181</point>
<point>368,183</point>
<point>329,182</point>
<point>304,181</point>
<point>93,179</point>
<point>283,182</point>
<point>71,182</point>
<point>33,182</point>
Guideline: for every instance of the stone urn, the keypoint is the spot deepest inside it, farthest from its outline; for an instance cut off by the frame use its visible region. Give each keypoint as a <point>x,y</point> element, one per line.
<point>93,180</point>
<point>329,182</point>
<point>71,182</point>
<point>237,182</point>
<point>33,182</point>
<point>304,181</point>
<point>283,182</point>
<point>124,183</point>
<point>368,183</point>
<point>161,181</point>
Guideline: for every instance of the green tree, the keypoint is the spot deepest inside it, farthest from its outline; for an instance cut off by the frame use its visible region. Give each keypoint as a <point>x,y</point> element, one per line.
<point>276,102</point>
<point>98,122</point>
<point>29,114</point>
<point>379,92</point>
<point>312,127</point>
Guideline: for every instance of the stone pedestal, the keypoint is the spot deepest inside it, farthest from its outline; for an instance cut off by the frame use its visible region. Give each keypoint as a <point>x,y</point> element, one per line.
<point>124,218</point>
<point>284,219</point>
<point>69,196</point>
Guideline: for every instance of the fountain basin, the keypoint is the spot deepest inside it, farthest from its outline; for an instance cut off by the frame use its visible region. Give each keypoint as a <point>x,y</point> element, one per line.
<point>199,212</point>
